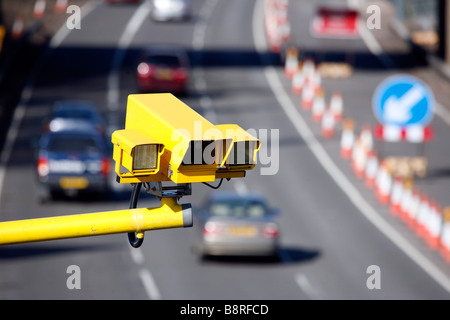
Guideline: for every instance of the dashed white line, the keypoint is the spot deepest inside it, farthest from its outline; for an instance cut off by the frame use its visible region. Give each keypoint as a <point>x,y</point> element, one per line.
<point>63,31</point>
<point>306,287</point>
<point>149,284</point>
<point>241,188</point>
<point>127,36</point>
<point>137,255</point>
<point>331,168</point>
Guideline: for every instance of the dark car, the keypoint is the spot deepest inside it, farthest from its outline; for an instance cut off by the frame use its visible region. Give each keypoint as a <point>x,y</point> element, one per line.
<point>235,225</point>
<point>72,161</point>
<point>163,69</point>
<point>67,114</point>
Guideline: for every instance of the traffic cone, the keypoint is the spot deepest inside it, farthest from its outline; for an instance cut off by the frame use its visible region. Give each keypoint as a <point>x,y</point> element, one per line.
<point>298,81</point>
<point>291,62</point>
<point>61,6</point>
<point>406,199</point>
<point>318,106</point>
<point>366,137</point>
<point>39,9</point>
<point>434,227</point>
<point>308,68</point>
<point>445,235</point>
<point>422,213</point>
<point>383,184</point>
<point>328,124</point>
<point>18,26</point>
<point>337,105</point>
<point>371,169</point>
<point>427,222</point>
<point>308,98</point>
<point>315,80</point>
<point>347,138</point>
<point>413,210</point>
<point>396,196</point>
<point>359,158</point>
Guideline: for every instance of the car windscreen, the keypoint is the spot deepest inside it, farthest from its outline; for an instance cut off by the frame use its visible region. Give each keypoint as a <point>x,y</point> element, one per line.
<point>74,114</point>
<point>73,144</point>
<point>240,208</point>
<point>166,60</point>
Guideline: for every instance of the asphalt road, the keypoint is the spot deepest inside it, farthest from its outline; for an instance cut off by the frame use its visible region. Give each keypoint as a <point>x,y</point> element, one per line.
<point>328,243</point>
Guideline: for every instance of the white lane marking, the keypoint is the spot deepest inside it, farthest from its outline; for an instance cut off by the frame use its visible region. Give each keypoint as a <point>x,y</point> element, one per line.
<point>137,255</point>
<point>331,168</point>
<point>241,188</point>
<point>27,92</point>
<point>198,43</point>
<point>304,284</point>
<point>63,31</point>
<point>442,112</point>
<point>149,284</point>
<point>132,27</point>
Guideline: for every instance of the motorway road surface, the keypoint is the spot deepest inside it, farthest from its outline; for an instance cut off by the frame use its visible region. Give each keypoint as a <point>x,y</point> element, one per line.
<point>328,243</point>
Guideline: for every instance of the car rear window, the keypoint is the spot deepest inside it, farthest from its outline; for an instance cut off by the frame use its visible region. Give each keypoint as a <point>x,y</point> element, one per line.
<point>166,60</point>
<point>75,114</point>
<point>73,144</point>
<point>248,209</point>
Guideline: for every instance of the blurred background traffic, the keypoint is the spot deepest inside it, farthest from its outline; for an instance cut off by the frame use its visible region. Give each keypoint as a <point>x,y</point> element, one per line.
<point>339,200</point>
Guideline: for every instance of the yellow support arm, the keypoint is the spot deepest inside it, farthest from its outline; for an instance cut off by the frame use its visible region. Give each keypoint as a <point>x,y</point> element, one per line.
<point>168,215</point>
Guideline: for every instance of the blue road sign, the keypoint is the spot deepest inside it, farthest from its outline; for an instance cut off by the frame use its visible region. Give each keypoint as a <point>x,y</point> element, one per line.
<point>403,100</point>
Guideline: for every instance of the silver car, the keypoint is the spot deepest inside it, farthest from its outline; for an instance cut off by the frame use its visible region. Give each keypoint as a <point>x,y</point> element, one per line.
<point>171,10</point>
<point>235,225</point>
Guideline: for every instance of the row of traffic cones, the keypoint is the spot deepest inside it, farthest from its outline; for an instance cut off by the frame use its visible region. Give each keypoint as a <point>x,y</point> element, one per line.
<point>38,12</point>
<point>416,209</point>
<point>276,23</point>
<point>421,213</point>
<point>306,81</point>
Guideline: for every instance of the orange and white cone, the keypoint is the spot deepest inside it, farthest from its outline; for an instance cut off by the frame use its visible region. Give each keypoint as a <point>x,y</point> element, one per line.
<point>359,159</point>
<point>422,216</point>
<point>39,9</point>
<point>413,210</point>
<point>347,138</point>
<point>337,105</point>
<point>366,137</point>
<point>445,235</point>
<point>61,6</point>
<point>406,199</point>
<point>371,169</point>
<point>308,98</point>
<point>328,124</point>
<point>427,222</point>
<point>18,26</point>
<point>434,227</point>
<point>315,80</point>
<point>298,81</point>
<point>396,196</point>
<point>383,184</point>
<point>318,106</point>
<point>291,62</point>
<point>308,68</point>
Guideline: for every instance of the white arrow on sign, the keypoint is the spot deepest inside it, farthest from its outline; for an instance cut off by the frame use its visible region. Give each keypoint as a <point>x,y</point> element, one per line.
<point>399,109</point>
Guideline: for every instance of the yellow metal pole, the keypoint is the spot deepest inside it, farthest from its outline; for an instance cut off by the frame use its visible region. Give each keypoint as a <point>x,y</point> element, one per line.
<point>168,215</point>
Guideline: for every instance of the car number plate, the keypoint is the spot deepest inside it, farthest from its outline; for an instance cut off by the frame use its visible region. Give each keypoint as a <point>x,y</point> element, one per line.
<point>73,183</point>
<point>242,231</point>
<point>163,74</point>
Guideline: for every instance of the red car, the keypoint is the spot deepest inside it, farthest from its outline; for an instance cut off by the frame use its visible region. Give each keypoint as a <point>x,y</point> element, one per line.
<point>163,69</point>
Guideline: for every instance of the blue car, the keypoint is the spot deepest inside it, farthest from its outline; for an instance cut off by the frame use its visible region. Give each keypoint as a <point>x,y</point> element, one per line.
<point>72,161</point>
<point>68,114</point>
